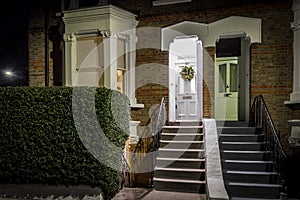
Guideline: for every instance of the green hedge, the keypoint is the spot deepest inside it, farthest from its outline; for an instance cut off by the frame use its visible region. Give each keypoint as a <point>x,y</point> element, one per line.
<point>49,135</point>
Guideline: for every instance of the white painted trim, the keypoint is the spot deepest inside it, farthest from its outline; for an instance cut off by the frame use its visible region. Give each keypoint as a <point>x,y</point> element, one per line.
<point>168,2</point>
<point>209,33</point>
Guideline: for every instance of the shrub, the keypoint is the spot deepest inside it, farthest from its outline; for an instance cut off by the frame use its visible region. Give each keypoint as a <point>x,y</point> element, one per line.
<point>62,135</point>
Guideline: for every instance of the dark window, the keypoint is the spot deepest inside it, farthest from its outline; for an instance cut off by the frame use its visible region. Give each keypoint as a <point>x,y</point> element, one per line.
<point>228,47</point>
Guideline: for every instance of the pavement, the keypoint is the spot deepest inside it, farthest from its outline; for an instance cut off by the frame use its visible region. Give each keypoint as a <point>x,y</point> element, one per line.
<point>151,194</point>
<point>124,194</point>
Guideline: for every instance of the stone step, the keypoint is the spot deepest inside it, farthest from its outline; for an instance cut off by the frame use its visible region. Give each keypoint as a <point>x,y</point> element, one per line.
<point>236,130</point>
<point>241,198</point>
<point>232,124</point>
<point>180,173</point>
<point>180,163</point>
<point>173,144</point>
<point>176,185</point>
<point>253,190</point>
<point>246,146</point>
<point>245,155</point>
<point>182,129</point>
<point>181,153</point>
<point>250,176</point>
<point>191,123</point>
<point>241,137</point>
<point>182,136</point>
<point>247,165</point>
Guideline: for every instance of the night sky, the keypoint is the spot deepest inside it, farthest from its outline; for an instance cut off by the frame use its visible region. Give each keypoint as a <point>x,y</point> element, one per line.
<point>13,43</point>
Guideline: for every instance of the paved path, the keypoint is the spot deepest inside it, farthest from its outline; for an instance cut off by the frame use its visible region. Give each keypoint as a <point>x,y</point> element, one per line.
<point>149,194</point>
<point>129,194</point>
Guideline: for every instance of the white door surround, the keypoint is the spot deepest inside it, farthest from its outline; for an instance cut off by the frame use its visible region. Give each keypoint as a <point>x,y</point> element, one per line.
<point>234,26</point>
<point>185,94</point>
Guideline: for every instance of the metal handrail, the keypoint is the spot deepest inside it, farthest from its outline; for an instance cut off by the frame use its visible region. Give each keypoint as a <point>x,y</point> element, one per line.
<point>161,120</point>
<point>261,118</point>
<point>155,119</point>
<point>125,171</point>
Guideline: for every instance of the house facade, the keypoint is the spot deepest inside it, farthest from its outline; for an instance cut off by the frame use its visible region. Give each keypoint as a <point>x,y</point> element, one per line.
<point>248,48</point>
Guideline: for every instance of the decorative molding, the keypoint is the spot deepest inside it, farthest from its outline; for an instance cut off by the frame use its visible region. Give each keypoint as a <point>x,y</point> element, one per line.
<point>295,26</point>
<point>209,33</point>
<point>69,37</point>
<point>169,2</point>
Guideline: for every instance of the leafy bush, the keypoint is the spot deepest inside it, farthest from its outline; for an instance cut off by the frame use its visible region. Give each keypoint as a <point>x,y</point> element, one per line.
<point>62,135</point>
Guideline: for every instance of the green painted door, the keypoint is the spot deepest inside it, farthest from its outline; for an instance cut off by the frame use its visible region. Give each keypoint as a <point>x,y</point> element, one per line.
<point>226,88</point>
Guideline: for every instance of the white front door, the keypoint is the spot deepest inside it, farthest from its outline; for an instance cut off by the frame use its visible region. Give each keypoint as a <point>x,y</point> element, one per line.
<point>186,99</point>
<point>226,88</point>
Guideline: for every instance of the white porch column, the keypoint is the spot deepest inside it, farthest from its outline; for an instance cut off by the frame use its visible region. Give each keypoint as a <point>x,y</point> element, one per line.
<point>110,62</point>
<point>131,69</point>
<point>295,95</point>
<point>70,49</point>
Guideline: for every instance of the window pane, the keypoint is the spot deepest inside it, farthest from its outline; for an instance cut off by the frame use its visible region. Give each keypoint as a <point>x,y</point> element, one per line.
<point>233,77</point>
<point>121,48</point>
<point>222,78</point>
<point>120,80</point>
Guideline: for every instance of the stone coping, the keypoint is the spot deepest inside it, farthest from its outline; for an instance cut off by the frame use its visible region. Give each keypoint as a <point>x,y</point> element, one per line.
<point>215,188</point>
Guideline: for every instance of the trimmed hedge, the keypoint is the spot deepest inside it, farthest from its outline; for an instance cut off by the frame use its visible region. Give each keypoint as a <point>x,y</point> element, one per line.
<point>48,135</point>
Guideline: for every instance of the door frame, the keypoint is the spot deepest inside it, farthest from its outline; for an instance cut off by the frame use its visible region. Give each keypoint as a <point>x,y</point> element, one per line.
<point>244,76</point>
<point>192,54</point>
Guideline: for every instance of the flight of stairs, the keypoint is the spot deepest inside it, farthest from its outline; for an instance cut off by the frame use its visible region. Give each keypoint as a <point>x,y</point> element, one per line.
<point>180,164</point>
<point>246,164</point>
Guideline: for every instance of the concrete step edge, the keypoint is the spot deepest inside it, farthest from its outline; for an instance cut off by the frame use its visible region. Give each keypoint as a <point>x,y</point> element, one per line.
<point>179,169</point>
<point>181,141</point>
<point>182,127</point>
<point>249,161</point>
<point>182,150</point>
<point>182,134</point>
<point>178,181</point>
<point>254,185</point>
<point>245,198</point>
<point>250,172</point>
<point>243,143</point>
<point>238,135</point>
<point>245,151</point>
<point>181,159</point>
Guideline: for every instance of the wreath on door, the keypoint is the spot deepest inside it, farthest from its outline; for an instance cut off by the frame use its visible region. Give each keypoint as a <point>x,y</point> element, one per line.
<point>187,73</point>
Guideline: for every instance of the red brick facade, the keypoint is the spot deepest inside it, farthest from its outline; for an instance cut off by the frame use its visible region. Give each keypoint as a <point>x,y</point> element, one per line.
<point>271,61</point>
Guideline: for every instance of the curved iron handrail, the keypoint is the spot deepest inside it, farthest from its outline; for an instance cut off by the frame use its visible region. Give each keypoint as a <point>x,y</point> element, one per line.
<point>261,118</point>
<point>125,171</point>
<point>161,120</point>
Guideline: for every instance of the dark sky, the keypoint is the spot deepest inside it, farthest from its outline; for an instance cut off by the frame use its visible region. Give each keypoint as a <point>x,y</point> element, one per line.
<point>13,43</point>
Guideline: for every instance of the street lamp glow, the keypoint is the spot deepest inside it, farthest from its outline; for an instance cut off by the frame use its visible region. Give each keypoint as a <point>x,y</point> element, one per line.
<point>8,73</point>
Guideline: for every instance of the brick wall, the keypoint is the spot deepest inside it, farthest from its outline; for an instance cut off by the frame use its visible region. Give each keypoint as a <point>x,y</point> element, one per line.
<point>271,61</point>
<point>36,44</point>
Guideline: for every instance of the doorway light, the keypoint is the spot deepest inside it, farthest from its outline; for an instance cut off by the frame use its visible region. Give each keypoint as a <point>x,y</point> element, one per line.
<point>168,2</point>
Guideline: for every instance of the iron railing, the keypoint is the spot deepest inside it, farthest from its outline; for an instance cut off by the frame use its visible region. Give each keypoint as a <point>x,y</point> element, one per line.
<point>261,118</point>
<point>160,122</point>
<point>125,172</point>
<point>145,143</point>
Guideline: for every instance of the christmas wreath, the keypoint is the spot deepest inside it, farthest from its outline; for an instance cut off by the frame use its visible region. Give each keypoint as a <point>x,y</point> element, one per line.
<point>187,73</point>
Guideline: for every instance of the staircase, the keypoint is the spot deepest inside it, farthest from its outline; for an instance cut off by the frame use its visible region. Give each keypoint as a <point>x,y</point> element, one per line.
<point>180,163</point>
<point>246,164</point>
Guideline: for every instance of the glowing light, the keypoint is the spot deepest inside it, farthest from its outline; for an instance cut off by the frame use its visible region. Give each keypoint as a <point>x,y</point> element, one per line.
<point>8,73</point>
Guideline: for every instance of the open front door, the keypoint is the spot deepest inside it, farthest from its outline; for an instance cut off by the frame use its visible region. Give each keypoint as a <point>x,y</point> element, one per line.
<point>185,79</point>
